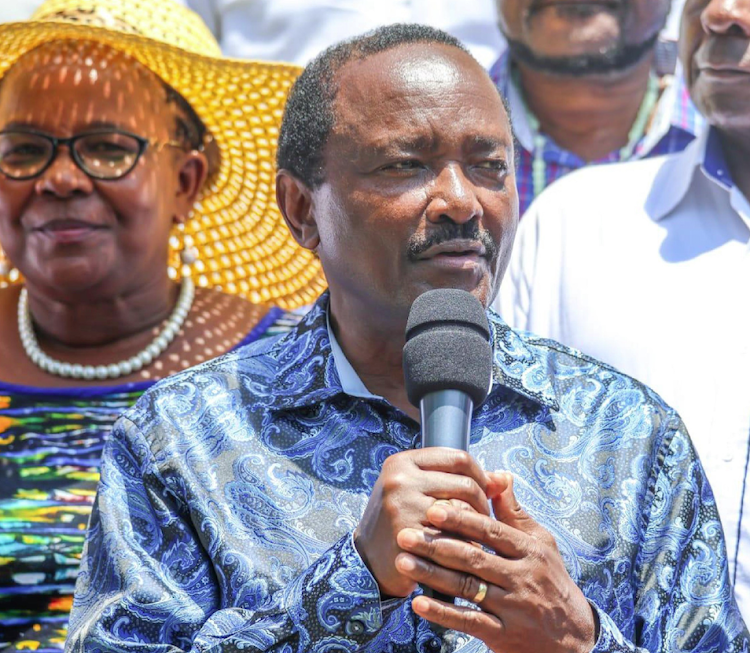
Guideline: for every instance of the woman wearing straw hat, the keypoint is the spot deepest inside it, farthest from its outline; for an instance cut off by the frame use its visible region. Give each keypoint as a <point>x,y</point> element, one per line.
<point>126,142</point>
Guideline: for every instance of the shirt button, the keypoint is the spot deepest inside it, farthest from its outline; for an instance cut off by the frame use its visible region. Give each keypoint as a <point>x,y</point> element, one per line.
<point>354,628</point>
<point>434,645</point>
<point>728,456</point>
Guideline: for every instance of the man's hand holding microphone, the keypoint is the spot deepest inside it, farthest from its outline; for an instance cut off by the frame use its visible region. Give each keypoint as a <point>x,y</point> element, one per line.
<point>428,520</point>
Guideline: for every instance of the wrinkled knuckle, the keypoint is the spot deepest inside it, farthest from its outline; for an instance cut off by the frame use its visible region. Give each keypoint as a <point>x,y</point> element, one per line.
<point>431,544</point>
<point>462,460</point>
<point>476,558</point>
<point>468,587</point>
<point>427,571</point>
<point>396,459</point>
<point>477,492</point>
<point>470,621</point>
<point>540,551</point>
<point>493,530</point>
<point>395,481</point>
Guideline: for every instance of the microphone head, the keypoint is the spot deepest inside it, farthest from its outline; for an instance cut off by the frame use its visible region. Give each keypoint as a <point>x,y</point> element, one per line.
<point>447,346</point>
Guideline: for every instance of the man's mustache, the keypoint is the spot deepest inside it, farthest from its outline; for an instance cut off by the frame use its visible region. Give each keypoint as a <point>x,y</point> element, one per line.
<point>444,233</point>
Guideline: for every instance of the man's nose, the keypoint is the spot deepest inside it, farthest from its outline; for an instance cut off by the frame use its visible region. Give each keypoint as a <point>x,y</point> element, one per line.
<point>727,17</point>
<point>63,178</point>
<point>454,197</point>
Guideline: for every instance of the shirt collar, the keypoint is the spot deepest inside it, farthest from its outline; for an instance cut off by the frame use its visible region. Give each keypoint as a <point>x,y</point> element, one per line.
<point>674,180</point>
<point>674,111</point>
<point>310,369</point>
<point>351,384</point>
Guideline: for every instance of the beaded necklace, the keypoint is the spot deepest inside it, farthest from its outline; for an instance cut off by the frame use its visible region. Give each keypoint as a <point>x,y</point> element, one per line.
<point>101,372</point>
<point>636,133</point>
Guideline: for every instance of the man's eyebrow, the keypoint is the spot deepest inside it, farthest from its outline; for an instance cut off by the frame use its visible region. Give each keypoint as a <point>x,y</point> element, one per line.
<point>416,143</point>
<point>486,144</point>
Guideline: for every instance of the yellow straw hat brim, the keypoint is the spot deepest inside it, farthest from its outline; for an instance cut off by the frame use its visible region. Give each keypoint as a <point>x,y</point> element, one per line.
<point>244,246</point>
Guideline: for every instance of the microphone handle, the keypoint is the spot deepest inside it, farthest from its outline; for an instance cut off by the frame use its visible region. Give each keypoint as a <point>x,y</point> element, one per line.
<point>446,422</point>
<point>446,419</point>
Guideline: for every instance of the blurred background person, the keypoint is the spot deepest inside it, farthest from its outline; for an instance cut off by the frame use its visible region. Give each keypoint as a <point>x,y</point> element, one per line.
<point>585,85</point>
<point>298,30</point>
<point>108,143</point>
<point>642,264</point>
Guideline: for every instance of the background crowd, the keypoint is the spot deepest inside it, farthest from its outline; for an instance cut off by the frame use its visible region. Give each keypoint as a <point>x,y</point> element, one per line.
<point>641,263</point>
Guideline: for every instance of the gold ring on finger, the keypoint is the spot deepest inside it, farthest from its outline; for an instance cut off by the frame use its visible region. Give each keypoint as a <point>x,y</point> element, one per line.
<point>481,592</point>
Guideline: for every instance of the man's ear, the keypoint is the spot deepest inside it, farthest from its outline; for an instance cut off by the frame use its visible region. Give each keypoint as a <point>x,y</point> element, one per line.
<point>193,172</point>
<point>295,202</point>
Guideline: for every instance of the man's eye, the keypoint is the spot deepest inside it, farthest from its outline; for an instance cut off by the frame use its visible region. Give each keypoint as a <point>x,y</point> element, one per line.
<point>497,165</point>
<point>409,164</point>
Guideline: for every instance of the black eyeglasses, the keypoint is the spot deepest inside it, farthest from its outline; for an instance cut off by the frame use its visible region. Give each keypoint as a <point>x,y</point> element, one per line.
<point>109,155</point>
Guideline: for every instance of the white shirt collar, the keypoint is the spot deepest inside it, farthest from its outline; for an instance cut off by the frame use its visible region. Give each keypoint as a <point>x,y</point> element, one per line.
<point>673,182</point>
<point>521,126</point>
<point>351,384</point>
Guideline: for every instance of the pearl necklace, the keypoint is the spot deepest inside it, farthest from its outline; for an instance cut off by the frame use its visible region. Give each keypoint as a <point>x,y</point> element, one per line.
<point>123,368</point>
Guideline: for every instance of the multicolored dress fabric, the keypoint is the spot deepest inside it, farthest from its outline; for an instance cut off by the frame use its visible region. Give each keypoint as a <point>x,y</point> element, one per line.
<point>51,441</point>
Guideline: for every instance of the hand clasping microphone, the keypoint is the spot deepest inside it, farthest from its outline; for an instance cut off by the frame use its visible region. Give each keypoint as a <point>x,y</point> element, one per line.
<point>447,367</point>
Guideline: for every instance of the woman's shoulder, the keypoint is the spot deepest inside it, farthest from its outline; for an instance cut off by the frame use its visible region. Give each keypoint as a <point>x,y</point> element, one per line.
<point>230,318</point>
<point>249,321</point>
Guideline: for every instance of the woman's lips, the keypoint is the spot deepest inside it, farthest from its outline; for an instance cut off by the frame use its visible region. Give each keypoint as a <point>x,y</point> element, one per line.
<point>68,231</point>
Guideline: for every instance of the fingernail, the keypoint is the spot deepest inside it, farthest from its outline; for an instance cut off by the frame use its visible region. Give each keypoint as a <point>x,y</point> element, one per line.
<point>409,538</point>
<point>442,502</point>
<point>437,515</point>
<point>406,563</point>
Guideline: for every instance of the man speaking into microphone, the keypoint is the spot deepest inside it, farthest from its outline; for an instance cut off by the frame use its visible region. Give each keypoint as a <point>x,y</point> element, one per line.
<point>277,499</point>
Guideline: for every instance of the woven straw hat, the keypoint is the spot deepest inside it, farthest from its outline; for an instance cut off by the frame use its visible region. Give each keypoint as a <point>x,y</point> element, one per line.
<point>243,245</point>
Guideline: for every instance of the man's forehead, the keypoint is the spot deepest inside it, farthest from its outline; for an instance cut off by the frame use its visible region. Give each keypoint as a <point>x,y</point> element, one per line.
<point>409,68</point>
<point>429,76</point>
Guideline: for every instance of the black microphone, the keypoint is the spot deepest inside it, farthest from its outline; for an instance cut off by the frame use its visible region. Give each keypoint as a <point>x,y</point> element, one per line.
<point>447,368</point>
<point>447,364</point>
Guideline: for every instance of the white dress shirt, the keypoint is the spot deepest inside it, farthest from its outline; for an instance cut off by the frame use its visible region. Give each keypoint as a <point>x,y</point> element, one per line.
<point>13,10</point>
<point>351,384</point>
<point>297,30</point>
<point>646,266</point>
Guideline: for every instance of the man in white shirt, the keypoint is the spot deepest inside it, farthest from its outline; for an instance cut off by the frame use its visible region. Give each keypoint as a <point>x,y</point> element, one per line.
<point>297,30</point>
<point>645,264</point>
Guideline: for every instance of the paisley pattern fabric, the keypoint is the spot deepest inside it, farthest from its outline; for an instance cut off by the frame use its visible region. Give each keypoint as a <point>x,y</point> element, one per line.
<point>51,442</point>
<point>230,493</point>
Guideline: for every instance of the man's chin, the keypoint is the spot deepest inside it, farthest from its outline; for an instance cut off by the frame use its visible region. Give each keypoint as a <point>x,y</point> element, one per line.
<point>481,287</point>
<point>584,58</point>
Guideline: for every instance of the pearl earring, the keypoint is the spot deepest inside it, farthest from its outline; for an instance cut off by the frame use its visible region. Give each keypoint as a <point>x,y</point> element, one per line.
<point>188,251</point>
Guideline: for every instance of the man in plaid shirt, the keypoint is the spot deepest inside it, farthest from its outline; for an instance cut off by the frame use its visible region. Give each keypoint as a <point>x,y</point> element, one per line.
<point>589,82</point>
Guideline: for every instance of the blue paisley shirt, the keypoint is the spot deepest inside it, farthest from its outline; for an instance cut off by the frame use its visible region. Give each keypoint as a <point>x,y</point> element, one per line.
<point>230,492</point>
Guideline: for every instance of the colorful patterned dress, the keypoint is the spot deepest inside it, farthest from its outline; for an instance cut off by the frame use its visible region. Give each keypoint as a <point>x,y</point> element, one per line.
<point>51,441</point>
